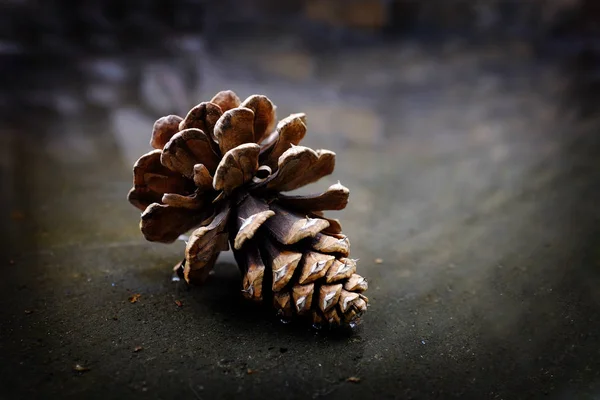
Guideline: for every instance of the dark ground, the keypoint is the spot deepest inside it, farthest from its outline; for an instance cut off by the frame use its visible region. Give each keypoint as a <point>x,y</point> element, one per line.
<point>473,174</point>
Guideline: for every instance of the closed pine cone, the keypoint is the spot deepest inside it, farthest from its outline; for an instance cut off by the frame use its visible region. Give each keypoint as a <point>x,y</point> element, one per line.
<point>221,170</point>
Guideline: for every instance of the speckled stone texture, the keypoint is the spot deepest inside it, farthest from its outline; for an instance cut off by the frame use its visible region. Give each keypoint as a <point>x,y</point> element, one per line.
<point>474,178</point>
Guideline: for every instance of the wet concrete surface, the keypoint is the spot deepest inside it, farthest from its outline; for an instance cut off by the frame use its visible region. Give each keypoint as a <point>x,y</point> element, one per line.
<point>473,176</point>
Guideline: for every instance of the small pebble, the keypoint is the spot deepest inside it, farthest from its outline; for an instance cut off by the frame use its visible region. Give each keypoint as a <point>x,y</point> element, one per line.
<point>80,368</point>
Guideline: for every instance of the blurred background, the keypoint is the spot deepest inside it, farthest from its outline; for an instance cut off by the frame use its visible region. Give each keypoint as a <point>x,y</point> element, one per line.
<point>466,130</point>
<point>66,58</point>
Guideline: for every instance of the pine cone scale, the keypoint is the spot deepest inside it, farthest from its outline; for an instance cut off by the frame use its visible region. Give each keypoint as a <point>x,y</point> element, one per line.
<point>226,100</point>
<point>289,228</point>
<point>315,266</point>
<point>329,296</point>
<point>254,272</point>
<point>283,264</point>
<point>342,269</point>
<point>234,128</point>
<point>298,166</point>
<point>237,167</point>
<point>185,148</point>
<point>302,296</point>
<point>331,244</point>
<point>264,115</point>
<point>163,223</point>
<point>334,198</point>
<point>204,117</point>
<point>206,242</point>
<point>290,132</point>
<point>163,130</point>
<point>356,283</point>
<point>249,225</point>
<point>151,180</point>
<point>193,202</point>
<point>203,178</point>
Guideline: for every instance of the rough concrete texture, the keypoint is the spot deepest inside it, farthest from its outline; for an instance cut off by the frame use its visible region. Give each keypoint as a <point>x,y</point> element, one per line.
<point>473,176</point>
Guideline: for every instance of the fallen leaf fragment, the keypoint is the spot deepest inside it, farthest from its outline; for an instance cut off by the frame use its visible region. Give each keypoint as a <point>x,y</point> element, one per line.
<point>134,298</point>
<point>353,379</point>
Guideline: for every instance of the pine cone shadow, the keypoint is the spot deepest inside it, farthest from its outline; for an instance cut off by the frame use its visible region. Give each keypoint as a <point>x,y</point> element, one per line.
<point>221,297</point>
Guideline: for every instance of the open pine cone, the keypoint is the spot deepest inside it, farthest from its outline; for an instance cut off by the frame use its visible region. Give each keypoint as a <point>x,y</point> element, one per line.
<point>221,170</point>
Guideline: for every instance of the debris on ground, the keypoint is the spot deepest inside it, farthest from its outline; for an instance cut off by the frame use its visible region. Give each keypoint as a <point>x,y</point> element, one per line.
<point>179,303</point>
<point>17,215</point>
<point>134,298</point>
<point>80,368</point>
<point>137,349</point>
<point>353,379</point>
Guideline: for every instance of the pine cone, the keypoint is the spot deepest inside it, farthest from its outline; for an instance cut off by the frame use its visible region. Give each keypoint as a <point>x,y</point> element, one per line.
<point>208,172</point>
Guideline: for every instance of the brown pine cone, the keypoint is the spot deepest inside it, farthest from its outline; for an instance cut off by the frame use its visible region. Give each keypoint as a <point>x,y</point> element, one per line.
<point>221,170</point>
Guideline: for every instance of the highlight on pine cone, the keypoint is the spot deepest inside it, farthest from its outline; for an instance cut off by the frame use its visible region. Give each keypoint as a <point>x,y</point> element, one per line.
<point>221,171</point>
